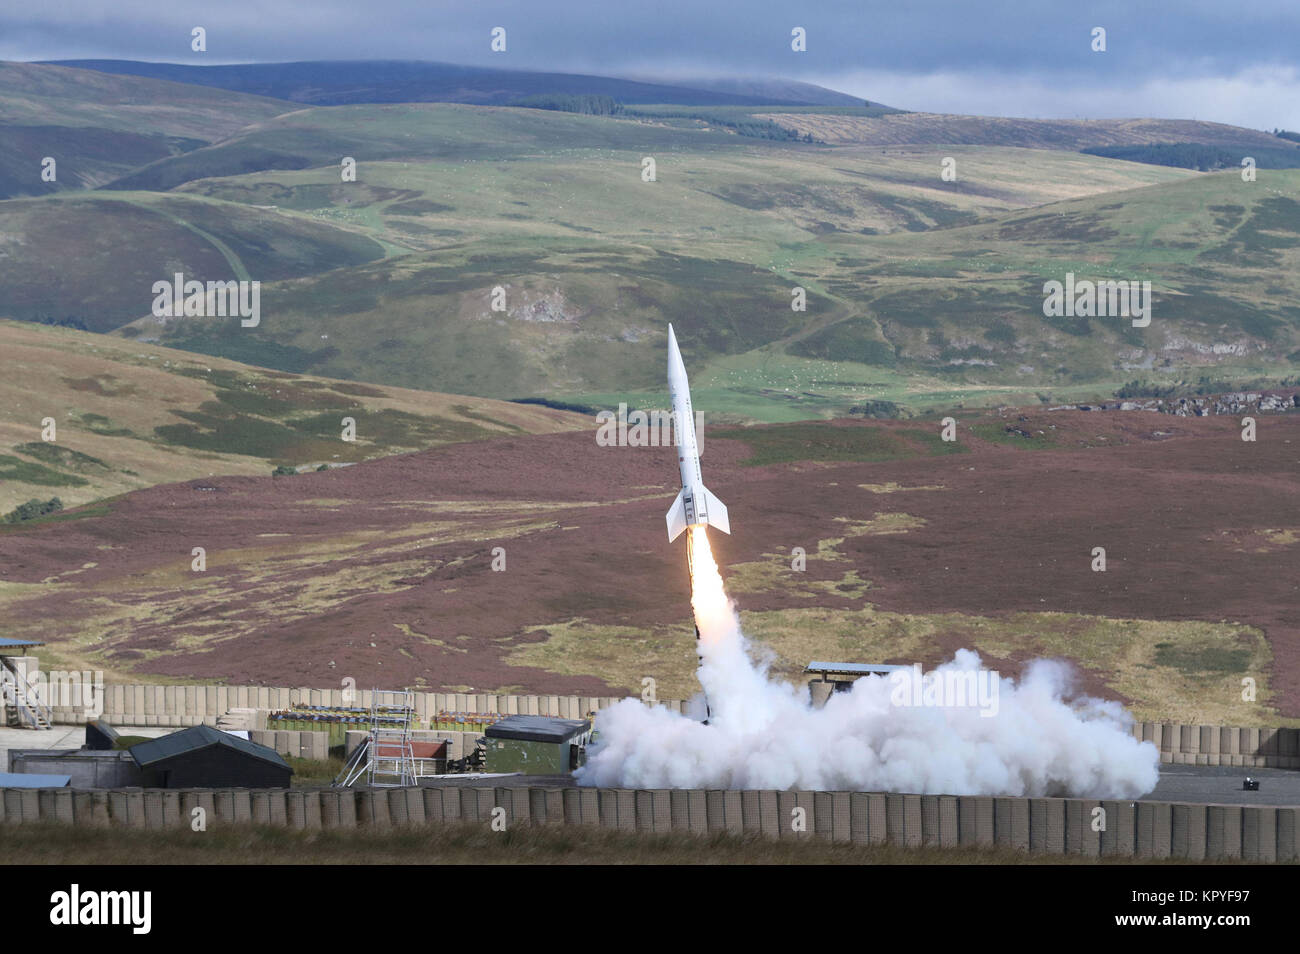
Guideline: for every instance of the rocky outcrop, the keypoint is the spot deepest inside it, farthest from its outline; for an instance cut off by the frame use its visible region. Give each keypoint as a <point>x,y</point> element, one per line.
<point>1236,402</point>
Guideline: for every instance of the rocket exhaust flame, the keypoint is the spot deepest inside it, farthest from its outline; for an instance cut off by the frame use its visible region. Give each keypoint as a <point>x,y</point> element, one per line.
<point>708,598</point>
<point>763,733</point>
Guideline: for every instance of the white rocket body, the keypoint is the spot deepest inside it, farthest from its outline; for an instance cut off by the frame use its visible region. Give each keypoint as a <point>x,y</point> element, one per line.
<point>694,505</point>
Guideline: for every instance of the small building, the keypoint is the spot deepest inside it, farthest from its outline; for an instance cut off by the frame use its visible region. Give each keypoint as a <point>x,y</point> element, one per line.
<point>86,768</point>
<point>204,757</point>
<point>840,677</point>
<point>536,745</point>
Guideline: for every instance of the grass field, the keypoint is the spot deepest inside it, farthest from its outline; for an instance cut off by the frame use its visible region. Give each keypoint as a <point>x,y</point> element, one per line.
<point>919,128</point>
<point>474,844</point>
<point>1174,671</point>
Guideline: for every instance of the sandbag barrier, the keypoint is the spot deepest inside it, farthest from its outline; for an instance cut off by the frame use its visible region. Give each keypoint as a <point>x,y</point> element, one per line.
<point>1047,826</point>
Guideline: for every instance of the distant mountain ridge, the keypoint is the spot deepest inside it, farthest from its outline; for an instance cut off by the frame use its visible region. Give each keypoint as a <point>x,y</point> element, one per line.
<point>767,90</point>
<point>336,83</point>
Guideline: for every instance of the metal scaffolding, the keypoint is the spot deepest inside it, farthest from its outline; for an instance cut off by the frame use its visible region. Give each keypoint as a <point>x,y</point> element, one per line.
<point>386,758</point>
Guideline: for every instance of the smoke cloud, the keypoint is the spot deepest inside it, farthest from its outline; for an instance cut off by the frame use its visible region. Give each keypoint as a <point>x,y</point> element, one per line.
<point>763,733</point>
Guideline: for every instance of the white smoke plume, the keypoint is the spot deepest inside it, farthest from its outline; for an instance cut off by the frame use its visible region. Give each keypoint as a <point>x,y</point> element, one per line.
<point>765,734</point>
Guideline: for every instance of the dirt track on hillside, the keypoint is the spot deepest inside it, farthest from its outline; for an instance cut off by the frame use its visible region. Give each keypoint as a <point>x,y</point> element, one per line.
<point>1012,531</point>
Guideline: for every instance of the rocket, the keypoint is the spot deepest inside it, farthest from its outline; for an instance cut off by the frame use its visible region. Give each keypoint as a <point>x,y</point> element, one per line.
<point>695,504</point>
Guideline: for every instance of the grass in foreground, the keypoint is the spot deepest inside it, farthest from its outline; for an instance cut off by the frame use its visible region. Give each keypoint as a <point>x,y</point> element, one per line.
<point>470,843</point>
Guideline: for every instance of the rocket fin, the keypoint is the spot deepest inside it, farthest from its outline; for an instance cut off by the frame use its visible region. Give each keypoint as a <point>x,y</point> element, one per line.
<point>677,516</point>
<point>716,510</point>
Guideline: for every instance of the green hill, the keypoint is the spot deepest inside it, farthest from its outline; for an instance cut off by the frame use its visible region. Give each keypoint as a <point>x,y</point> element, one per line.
<point>449,133</point>
<point>90,260</point>
<point>99,127</point>
<point>920,291</point>
<point>1222,257</point>
<point>912,317</point>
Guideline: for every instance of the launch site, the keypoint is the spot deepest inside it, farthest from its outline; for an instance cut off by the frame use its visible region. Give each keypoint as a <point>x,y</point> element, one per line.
<point>498,435</point>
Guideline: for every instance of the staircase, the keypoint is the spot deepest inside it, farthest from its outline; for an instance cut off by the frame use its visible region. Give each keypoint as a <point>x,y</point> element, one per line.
<point>23,708</point>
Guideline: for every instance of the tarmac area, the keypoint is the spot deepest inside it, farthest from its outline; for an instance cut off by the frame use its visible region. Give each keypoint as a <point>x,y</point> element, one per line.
<point>60,737</point>
<point>1221,785</point>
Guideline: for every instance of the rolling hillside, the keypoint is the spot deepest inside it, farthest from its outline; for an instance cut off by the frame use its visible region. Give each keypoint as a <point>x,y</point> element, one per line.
<point>1073,134</point>
<point>1222,256</point>
<point>130,415</point>
<point>98,127</point>
<point>919,315</point>
<point>90,260</point>
<point>449,133</point>
<point>921,292</point>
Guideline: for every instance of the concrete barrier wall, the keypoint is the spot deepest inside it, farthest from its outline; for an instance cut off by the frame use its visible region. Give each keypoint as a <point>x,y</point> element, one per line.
<point>1222,745</point>
<point>1048,826</point>
<point>155,705</point>
<point>304,745</point>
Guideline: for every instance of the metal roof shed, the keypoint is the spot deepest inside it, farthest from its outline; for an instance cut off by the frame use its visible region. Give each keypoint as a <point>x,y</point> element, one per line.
<point>26,780</point>
<point>532,728</point>
<point>852,669</point>
<point>7,645</point>
<point>204,757</point>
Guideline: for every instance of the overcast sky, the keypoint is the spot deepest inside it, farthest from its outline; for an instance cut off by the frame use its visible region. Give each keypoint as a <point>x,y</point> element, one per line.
<point>1236,62</point>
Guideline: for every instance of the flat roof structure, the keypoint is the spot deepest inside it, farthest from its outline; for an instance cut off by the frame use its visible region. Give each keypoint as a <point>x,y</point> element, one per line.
<point>531,728</point>
<point>24,780</point>
<point>852,669</point>
<point>7,643</point>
